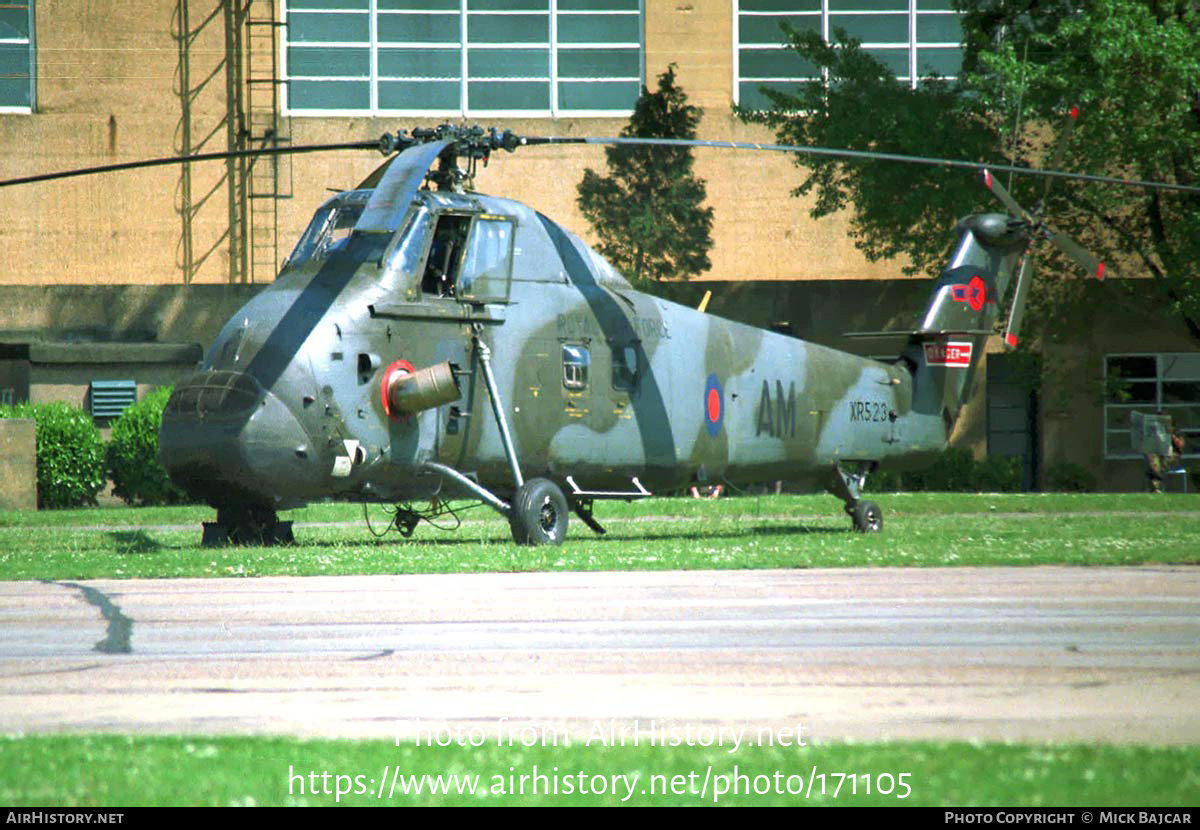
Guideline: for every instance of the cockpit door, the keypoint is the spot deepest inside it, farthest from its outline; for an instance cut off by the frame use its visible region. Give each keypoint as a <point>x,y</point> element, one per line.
<point>470,258</point>
<point>486,273</point>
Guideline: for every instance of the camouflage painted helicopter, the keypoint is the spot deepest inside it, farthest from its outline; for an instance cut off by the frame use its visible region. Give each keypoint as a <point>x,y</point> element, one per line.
<point>432,343</point>
<point>435,343</point>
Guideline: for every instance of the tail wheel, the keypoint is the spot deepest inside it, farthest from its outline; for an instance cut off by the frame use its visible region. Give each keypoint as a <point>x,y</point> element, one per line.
<point>867,516</point>
<point>539,514</point>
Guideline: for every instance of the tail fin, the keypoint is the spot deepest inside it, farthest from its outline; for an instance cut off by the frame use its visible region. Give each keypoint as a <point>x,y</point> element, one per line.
<point>948,343</point>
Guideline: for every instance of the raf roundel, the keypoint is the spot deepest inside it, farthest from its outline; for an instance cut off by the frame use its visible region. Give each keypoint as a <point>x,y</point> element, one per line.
<point>714,405</point>
<point>977,293</point>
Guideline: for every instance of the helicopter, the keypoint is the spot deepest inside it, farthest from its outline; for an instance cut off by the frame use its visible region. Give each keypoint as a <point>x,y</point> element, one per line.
<point>424,342</point>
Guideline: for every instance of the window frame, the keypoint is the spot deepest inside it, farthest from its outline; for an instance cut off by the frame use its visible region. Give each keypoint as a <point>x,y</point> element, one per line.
<point>469,294</point>
<point>1191,434</point>
<point>31,43</point>
<point>627,382</point>
<point>464,45</point>
<point>316,241</point>
<point>456,216</point>
<point>576,356</point>
<point>913,47</point>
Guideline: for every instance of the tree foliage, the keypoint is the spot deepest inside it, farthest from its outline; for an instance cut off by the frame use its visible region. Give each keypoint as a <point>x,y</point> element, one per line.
<point>1131,66</point>
<point>647,212</point>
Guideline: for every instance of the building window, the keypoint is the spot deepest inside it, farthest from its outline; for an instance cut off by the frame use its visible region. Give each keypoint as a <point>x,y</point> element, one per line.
<point>913,38</point>
<point>463,57</point>
<point>1150,383</point>
<point>17,57</point>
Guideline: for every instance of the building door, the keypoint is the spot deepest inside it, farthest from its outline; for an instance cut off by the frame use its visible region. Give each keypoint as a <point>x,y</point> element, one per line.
<point>1012,411</point>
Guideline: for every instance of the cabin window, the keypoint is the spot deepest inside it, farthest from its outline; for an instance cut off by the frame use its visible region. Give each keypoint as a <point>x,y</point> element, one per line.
<point>445,255</point>
<point>488,265</point>
<point>575,367</point>
<point>624,368</point>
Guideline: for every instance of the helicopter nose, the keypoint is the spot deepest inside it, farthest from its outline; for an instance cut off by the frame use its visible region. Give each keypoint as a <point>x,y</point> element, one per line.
<point>225,439</point>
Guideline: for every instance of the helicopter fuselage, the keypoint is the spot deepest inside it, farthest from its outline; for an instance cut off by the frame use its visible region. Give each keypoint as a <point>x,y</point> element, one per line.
<point>596,381</point>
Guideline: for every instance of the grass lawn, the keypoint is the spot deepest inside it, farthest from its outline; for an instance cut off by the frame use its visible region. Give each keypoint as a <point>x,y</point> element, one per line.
<point>751,532</point>
<point>230,771</point>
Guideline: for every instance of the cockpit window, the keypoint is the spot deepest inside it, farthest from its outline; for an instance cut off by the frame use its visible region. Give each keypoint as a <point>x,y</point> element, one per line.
<point>330,227</point>
<point>488,264</point>
<point>405,257</point>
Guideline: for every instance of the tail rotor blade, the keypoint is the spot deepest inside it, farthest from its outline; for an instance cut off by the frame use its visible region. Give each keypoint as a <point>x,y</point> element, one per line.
<point>1060,152</point>
<point>1064,138</point>
<point>1017,311</point>
<point>1080,254</point>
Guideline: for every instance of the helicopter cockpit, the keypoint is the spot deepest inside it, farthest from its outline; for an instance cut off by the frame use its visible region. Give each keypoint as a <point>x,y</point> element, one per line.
<point>469,255</point>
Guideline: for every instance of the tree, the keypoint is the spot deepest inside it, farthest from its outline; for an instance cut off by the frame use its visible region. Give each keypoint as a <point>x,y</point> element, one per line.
<point>1131,66</point>
<point>647,212</point>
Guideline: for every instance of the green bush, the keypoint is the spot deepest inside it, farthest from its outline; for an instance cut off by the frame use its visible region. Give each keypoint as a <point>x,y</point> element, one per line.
<point>954,471</point>
<point>1065,477</point>
<point>70,453</point>
<point>132,458</point>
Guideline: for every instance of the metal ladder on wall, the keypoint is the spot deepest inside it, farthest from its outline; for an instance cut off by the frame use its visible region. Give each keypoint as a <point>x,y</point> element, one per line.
<point>270,177</point>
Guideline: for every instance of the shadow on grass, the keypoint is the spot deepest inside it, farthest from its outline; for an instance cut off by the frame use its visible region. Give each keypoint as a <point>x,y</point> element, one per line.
<point>741,533</point>
<point>578,534</point>
<point>135,541</point>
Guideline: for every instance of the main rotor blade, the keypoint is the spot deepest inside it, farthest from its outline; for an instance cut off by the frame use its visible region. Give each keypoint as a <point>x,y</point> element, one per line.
<point>478,142</point>
<point>1017,311</point>
<point>867,155</point>
<point>168,160</point>
<point>1078,253</point>
<point>993,184</point>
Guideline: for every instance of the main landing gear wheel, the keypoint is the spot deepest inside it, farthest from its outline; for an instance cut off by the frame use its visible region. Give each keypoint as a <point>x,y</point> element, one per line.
<point>539,514</point>
<point>867,517</point>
